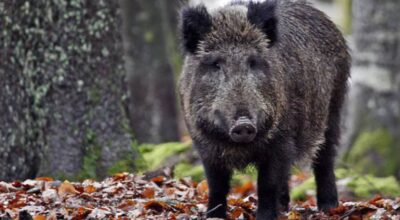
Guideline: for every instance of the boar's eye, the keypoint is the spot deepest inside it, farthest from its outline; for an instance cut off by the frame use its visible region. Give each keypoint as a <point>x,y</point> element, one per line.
<point>252,62</point>
<point>256,63</point>
<point>212,62</point>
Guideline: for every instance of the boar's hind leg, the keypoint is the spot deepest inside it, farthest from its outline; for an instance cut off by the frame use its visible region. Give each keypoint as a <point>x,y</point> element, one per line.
<point>323,166</point>
<point>325,178</point>
<point>218,182</point>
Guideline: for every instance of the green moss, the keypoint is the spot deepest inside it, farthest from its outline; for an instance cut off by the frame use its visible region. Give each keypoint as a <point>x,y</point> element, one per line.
<point>177,62</point>
<point>94,95</point>
<point>361,186</point>
<point>242,176</point>
<point>366,186</point>
<point>90,163</point>
<point>154,155</point>
<point>92,157</point>
<point>373,152</point>
<point>124,165</point>
<point>342,173</point>
<point>300,192</point>
<point>149,36</point>
<point>129,162</point>
<point>189,170</point>
<point>62,176</point>
<point>345,6</point>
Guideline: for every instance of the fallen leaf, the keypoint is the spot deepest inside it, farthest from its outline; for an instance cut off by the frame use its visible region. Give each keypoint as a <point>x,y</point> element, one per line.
<point>82,212</point>
<point>294,215</point>
<point>44,178</point>
<point>6,187</point>
<point>90,189</point>
<point>170,191</point>
<point>158,180</point>
<point>148,193</point>
<point>237,212</point>
<point>171,216</point>
<point>66,188</point>
<point>52,216</point>
<point>98,213</point>
<point>202,188</point>
<point>17,184</point>
<point>155,205</point>
<point>49,195</point>
<point>126,204</point>
<point>39,217</point>
<point>340,210</point>
<point>119,176</point>
<point>245,189</point>
<point>375,200</point>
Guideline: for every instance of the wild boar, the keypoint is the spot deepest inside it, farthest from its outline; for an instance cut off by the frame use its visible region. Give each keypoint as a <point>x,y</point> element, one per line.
<point>263,83</point>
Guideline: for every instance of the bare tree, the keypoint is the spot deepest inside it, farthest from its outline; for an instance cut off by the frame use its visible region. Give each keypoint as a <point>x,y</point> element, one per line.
<point>152,101</point>
<point>374,100</point>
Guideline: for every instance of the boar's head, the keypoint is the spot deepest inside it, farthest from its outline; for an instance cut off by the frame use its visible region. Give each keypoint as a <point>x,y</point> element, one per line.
<point>232,83</point>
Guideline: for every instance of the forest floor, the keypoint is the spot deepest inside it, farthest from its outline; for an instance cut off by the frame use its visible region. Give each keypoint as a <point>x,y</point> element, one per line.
<point>129,196</point>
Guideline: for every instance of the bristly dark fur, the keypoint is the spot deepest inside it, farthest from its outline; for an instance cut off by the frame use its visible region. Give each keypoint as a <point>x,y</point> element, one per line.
<point>239,2</point>
<point>283,66</point>
<point>262,14</point>
<point>195,23</point>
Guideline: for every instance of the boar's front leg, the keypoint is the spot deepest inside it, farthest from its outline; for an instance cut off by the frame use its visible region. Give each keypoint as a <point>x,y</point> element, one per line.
<point>284,199</point>
<point>273,176</point>
<point>272,180</point>
<point>218,179</point>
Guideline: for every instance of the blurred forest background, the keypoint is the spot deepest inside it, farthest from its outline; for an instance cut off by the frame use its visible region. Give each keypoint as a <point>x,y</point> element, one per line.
<point>87,88</point>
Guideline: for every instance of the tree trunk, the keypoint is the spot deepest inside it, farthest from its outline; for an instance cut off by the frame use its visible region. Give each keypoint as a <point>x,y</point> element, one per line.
<point>63,66</point>
<point>152,100</point>
<point>21,139</point>
<point>373,119</point>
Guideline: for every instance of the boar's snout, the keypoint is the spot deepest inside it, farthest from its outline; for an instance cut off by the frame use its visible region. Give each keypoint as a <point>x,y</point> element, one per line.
<point>243,131</point>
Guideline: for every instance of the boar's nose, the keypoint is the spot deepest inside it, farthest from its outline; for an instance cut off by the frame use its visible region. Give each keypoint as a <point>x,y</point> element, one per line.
<point>243,131</point>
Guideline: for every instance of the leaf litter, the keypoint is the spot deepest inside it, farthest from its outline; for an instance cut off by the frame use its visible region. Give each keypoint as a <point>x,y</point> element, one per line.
<point>128,196</point>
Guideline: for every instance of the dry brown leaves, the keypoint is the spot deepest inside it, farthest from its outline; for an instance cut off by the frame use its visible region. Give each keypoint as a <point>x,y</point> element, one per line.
<point>128,196</point>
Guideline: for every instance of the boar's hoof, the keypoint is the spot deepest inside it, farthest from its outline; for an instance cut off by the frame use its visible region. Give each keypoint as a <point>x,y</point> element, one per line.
<point>325,207</point>
<point>266,216</point>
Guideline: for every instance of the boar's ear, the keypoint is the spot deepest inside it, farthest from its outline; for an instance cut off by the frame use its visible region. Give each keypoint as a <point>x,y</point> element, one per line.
<point>262,15</point>
<point>195,24</point>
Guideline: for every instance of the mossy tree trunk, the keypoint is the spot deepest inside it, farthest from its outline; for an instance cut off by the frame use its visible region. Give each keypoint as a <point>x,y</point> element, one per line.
<point>152,101</point>
<point>21,131</point>
<point>373,119</point>
<point>61,89</point>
